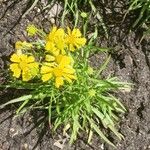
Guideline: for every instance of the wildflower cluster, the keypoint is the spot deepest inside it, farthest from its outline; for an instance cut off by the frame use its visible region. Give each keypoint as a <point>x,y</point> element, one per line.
<point>56,61</point>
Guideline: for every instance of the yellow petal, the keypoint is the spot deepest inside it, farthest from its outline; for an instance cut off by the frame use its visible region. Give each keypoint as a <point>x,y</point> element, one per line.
<point>54,29</point>
<point>59,81</point>
<point>46,77</point>
<point>46,69</point>
<point>76,33</point>
<point>68,79</point>
<point>49,58</point>
<point>81,41</point>
<point>19,52</point>
<point>55,52</point>
<point>30,59</point>
<point>60,32</point>
<point>24,58</point>
<point>68,30</point>
<point>50,46</point>
<point>34,68</point>
<point>70,76</point>
<point>15,58</point>
<point>15,69</point>
<point>69,70</point>
<point>26,75</point>
<point>71,48</point>
<point>60,43</point>
<point>18,45</point>
<point>58,72</point>
<point>52,34</point>
<point>65,61</point>
<point>59,58</point>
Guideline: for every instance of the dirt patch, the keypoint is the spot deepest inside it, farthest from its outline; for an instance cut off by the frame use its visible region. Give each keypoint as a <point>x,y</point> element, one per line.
<point>130,62</point>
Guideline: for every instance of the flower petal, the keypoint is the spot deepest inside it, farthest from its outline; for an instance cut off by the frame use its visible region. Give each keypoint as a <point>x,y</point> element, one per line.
<point>15,69</point>
<point>71,47</point>
<point>34,68</point>
<point>70,76</point>
<point>69,70</point>
<point>65,61</point>
<point>26,75</point>
<point>67,78</point>
<point>51,35</point>
<point>76,33</point>
<point>24,58</point>
<point>54,29</point>
<point>50,46</point>
<point>30,59</point>
<point>49,58</point>
<point>60,32</point>
<point>15,58</point>
<point>18,45</point>
<point>81,41</point>
<point>46,69</point>
<point>59,81</point>
<point>46,77</point>
<point>68,30</point>
<point>59,58</point>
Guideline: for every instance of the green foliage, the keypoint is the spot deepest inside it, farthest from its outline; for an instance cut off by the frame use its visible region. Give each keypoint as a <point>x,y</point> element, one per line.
<point>144,7</point>
<point>88,104</point>
<point>74,8</point>
<point>85,105</point>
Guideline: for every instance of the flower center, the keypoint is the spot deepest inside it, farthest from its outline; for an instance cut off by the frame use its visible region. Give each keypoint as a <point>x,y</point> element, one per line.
<point>58,72</point>
<point>22,65</point>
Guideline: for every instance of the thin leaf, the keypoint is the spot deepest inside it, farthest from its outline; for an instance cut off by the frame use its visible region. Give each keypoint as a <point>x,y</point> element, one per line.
<point>16,100</point>
<point>90,136</point>
<point>120,136</point>
<point>99,132</point>
<point>98,113</point>
<point>23,104</point>
<point>119,103</point>
<point>103,66</point>
<point>75,129</point>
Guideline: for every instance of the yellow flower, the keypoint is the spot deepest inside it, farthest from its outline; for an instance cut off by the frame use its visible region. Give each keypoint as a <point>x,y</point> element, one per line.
<point>56,33</point>
<point>18,45</point>
<point>32,30</point>
<point>74,39</point>
<point>50,47</point>
<point>61,70</point>
<point>60,44</point>
<point>55,41</point>
<point>23,65</point>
